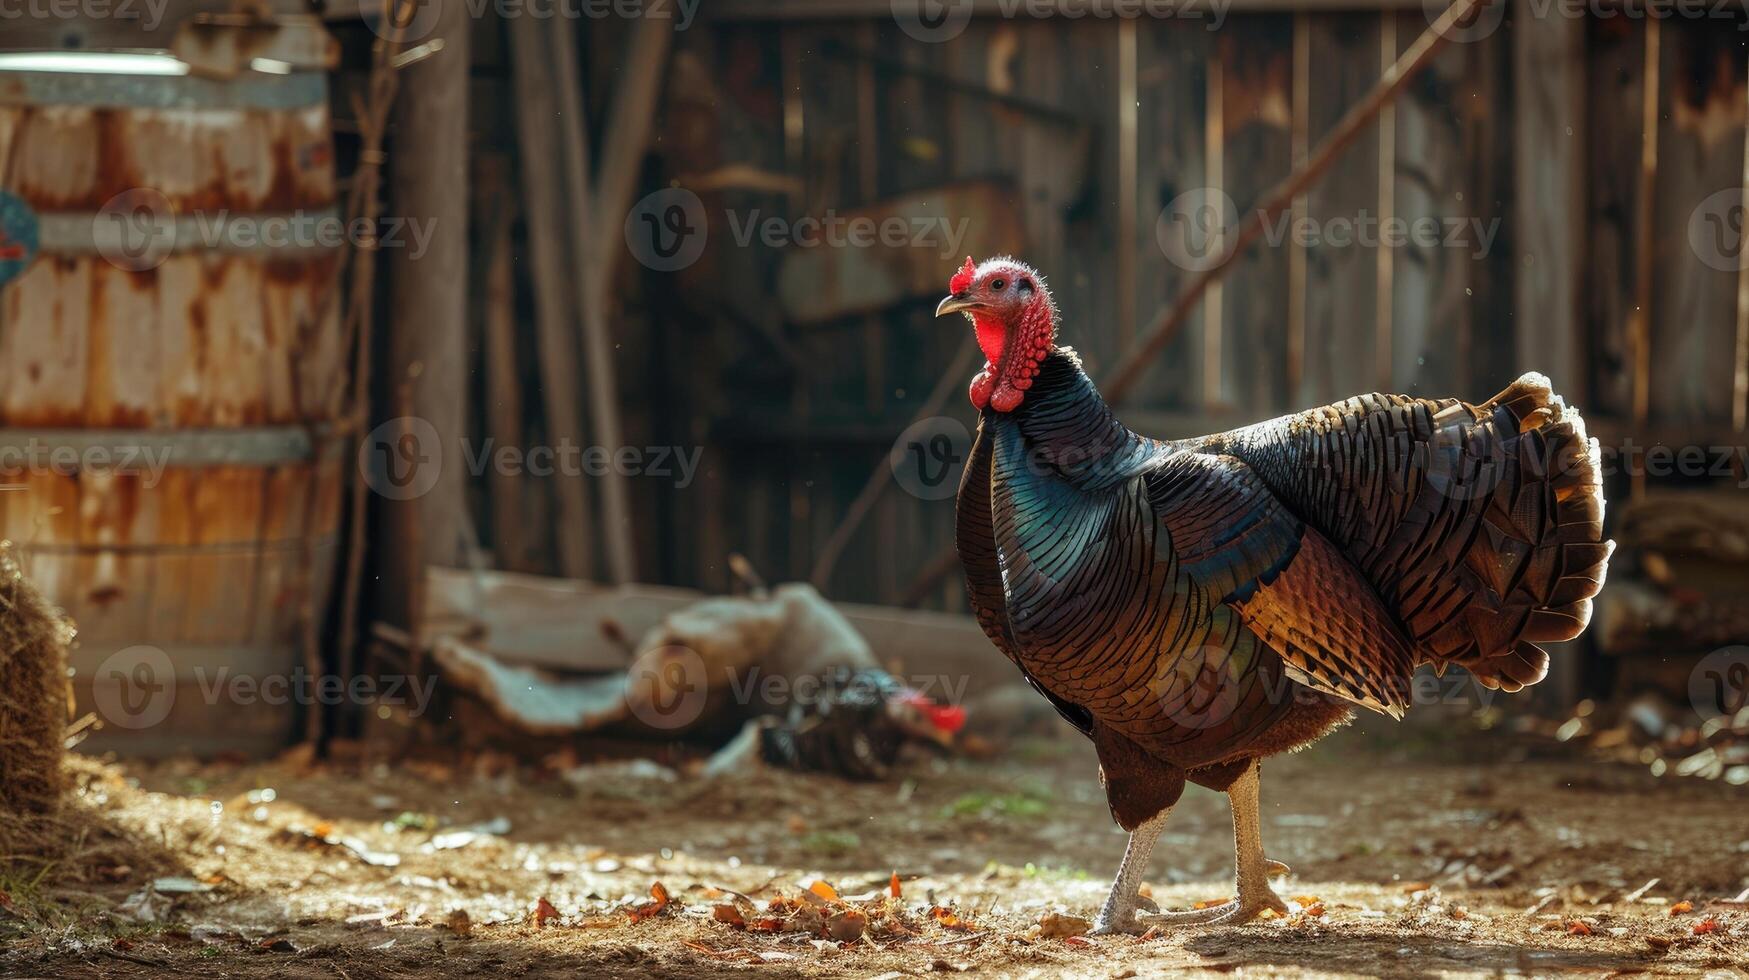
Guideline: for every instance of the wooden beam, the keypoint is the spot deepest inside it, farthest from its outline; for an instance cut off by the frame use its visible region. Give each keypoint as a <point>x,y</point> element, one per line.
<point>1127,189</point>
<point>1384,328</point>
<point>504,417</point>
<point>543,208</point>
<point>1740,372</point>
<point>1640,325</point>
<point>428,304</point>
<point>1296,257</point>
<point>597,220</point>
<point>1549,158</point>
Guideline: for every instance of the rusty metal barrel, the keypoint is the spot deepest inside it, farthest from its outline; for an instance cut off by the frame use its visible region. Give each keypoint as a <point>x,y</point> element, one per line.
<point>169,349</point>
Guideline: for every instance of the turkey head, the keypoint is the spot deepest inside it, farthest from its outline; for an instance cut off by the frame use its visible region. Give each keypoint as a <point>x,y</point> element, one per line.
<point>1015,321</point>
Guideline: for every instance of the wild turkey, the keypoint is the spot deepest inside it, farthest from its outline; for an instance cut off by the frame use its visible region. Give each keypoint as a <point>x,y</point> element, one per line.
<point>1195,606</point>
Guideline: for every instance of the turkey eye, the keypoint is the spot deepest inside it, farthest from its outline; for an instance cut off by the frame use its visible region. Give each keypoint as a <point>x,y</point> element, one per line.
<point>997,284</point>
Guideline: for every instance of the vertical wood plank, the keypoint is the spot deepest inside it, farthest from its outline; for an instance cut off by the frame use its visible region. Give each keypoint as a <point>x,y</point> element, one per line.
<point>1341,298</point>
<point>1173,58</point>
<point>1700,169</point>
<point>1549,134</point>
<point>426,328</point>
<point>1127,151</point>
<point>1488,87</point>
<point>1086,271</point>
<point>1612,133</point>
<point>1431,298</point>
<point>539,177</point>
<point>1385,262</point>
<point>1257,65</point>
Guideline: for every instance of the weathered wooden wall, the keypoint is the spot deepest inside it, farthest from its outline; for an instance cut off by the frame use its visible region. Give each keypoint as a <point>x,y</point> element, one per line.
<point>1064,114</point>
<point>1214,109</point>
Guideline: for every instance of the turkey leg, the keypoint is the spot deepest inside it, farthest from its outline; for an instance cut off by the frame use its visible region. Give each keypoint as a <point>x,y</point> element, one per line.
<point>1253,868</point>
<point>1119,912</point>
<point>1253,871</point>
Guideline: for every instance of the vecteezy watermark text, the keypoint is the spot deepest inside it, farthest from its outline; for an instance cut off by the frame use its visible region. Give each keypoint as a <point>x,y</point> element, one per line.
<point>934,21</point>
<point>1485,21</point>
<point>834,230</point>
<point>35,456</point>
<point>568,459</point>
<point>403,458</point>
<point>137,687</point>
<point>667,230</point>
<point>149,13</point>
<point>1196,227</point>
<point>138,229</point>
<point>412,21</point>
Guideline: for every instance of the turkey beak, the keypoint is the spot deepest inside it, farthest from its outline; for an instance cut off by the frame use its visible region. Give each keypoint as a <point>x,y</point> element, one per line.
<point>955,304</point>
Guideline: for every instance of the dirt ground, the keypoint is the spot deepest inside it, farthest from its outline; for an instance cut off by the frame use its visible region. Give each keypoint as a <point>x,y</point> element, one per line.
<point>1412,854</point>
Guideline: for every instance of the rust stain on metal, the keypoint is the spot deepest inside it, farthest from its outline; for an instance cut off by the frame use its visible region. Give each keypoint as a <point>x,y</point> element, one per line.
<point>77,158</point>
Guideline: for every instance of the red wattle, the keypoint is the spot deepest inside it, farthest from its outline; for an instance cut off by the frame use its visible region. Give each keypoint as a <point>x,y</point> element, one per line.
<point>1003,383</point>
<point>982,385</point>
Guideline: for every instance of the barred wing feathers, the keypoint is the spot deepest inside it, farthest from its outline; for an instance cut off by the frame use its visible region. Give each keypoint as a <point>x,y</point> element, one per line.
<point>1480,526</point>
<point>1288,584</point>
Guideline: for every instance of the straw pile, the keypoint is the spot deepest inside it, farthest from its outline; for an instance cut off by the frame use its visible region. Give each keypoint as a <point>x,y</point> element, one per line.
<point>33,694</point>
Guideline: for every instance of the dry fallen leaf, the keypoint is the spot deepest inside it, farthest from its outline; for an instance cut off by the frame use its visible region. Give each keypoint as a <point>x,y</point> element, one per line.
<point>1578,928</point>
<point>1060,925</point>
<point>1681,908</point>
<point>949,920</point>
<point>1706,926</point>
<point>1209,903</point>
<point>1076,941</point>
<point>459,923</point>
<point>650,909</point>
<point>806,919</point>
<point>893,890</point>
<point>822,888</point>
<point>847,926</point>
<point>727,912</point>
<point>543,912</point>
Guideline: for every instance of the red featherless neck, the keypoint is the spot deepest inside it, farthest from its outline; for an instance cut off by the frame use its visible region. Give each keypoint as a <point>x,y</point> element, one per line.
<point>1014,342</point>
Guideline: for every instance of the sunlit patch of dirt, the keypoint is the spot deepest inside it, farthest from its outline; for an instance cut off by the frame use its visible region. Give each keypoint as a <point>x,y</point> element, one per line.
<point>1406,862</point>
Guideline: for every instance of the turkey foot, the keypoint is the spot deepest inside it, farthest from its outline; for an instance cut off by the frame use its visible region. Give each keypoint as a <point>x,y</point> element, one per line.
<point>1190,917</point>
